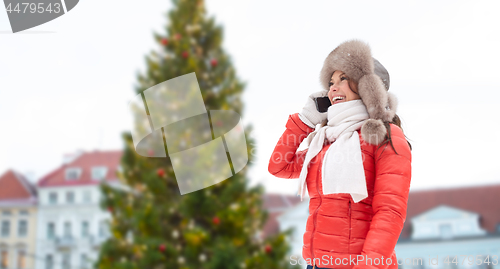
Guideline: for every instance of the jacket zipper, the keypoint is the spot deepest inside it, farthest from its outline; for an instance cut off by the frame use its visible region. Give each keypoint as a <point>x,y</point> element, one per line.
<point>349,241</point>
<point>315,216</point>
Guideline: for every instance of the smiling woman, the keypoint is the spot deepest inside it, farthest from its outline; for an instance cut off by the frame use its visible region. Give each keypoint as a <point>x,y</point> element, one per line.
<point>358,185</point>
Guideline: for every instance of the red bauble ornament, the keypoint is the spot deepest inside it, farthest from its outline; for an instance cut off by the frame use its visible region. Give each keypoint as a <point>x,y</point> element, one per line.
<point>161,247</point>
<point>213,62</point>
<point>177,36</point>
<point>164,41</point>
<point>185,54</point>
<point>268,249</point>
<point>160,172</point>
<point>216,220</point>
<point>110,209</point>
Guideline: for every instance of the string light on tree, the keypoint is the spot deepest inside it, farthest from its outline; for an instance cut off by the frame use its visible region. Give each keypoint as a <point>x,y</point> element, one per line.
<point>181,260</point>
<point>175,234</point>
<point>235,206</point>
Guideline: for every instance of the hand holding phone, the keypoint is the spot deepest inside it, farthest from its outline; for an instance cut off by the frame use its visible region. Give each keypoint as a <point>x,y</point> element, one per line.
<point>310,114</point>
<point>322,103</point>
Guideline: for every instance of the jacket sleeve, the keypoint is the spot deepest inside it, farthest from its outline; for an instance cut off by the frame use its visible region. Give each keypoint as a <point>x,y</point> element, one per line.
<point>390,197</point>
<point>285,161</point>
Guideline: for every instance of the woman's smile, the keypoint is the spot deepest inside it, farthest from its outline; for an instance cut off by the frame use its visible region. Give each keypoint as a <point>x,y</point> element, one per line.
<point>335,99</point>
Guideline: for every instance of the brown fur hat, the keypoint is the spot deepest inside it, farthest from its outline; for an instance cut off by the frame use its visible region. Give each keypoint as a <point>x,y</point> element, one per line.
<point>354,58</point>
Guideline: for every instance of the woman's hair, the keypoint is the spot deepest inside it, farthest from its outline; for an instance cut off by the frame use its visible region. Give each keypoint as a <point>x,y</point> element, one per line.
<point>396,120</point>
<point>388,139</point>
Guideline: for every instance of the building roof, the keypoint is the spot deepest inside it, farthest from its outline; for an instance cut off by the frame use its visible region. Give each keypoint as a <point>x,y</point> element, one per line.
<point>85,161</point>
<point>276,204</point>
<point>484,200</point>
<point>14,186</point>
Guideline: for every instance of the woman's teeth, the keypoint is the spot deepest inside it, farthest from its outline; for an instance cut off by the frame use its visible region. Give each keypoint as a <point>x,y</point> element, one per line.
<point>336,98</point>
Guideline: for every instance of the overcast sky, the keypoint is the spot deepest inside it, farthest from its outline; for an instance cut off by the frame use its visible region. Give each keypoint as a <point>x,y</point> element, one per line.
<point>65,85</point>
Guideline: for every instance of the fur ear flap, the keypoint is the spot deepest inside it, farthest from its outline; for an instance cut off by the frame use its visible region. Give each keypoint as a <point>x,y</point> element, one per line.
<point>374,96</point>
<point>392,105</point>
<point>373,131</point>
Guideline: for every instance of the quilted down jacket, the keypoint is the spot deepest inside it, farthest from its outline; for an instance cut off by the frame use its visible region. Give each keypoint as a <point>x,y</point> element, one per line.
<point>339,232</point>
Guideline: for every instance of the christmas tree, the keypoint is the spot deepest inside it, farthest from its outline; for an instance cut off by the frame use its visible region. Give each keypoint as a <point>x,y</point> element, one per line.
<point>153,225</point>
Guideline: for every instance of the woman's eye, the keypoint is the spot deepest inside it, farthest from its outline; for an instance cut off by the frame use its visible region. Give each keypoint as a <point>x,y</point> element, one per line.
<point>343,78</point>
<point>330,84</point>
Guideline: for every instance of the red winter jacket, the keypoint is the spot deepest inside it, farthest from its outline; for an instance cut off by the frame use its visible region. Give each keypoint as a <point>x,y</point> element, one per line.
<point>337,229</point>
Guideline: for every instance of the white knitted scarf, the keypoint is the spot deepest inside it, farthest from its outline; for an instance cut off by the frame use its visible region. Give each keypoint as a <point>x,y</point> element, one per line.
<point>342,168</point>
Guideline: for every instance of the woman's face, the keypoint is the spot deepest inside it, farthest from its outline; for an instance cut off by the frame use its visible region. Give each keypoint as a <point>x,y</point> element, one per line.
<point>340,91</point>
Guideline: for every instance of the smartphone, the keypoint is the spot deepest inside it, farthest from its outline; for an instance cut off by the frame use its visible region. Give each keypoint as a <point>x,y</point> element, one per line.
<point>322,103</point>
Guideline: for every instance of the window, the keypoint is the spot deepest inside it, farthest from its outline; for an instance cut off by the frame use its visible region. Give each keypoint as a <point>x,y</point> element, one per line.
<point>51,230</point>
<point>83,261</point>
<point>103,228</point>
<point>87,197</point>
<point>85,229</point>
<point>7,213</point>
<point>99,172</point>
<point>70,197</point>
<point>418,263</point>
<point>49,262</point>
<point>53,198</point>
<point>445,230</point>
<point>5,228</point>
<point>400,263</point>
<point>5,260</point>
<point>67,229</point>
<point>22,228</point>
<point>66,261</point>
<point>21,259</point>
<point>24,213</point>
<point>73,173</point>
<point>130,237</point>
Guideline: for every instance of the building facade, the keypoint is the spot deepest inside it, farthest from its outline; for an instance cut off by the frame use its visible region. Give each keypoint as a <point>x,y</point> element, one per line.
<point>18,220</point>
<point>452,228</point>
<point>71,225</point>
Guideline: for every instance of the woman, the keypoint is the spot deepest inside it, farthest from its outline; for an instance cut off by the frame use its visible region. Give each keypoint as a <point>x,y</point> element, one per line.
<point>357,167</point>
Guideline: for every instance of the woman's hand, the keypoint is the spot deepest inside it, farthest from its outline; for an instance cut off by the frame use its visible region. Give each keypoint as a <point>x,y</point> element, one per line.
<point>310,115</point>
